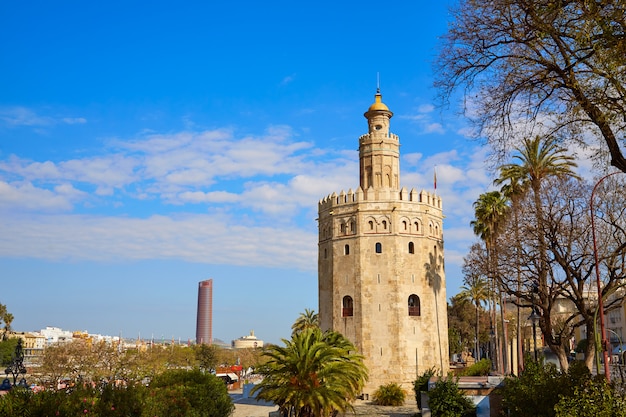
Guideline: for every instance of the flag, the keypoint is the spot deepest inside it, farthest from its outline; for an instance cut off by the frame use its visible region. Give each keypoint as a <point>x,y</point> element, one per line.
<point>435,177</point>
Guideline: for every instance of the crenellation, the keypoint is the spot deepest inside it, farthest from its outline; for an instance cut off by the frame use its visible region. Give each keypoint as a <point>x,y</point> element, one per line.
<point>425,198</point>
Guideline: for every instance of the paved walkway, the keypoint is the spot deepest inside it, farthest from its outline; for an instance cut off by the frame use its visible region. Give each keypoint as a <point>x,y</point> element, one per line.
<point>250,407</point>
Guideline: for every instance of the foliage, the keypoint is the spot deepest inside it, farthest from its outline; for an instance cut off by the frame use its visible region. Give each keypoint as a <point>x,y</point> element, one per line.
<point>314,374</point>
<point>476,291</point>
<point>462,325</point>
<point>306,320</point>
<point>447,400</point>
<point>480,368</point>
<point>186,394</point>
<point>534,392</point>
<point>594,398</point>
<point>539,66</point>
<point>6,319</point>
<point>7,350</point>
<point>421,385</point>
<point>389,394</point>
<point>173,393</point>
<point>86,401</point>
<point>581,346</point>
<point>206,356</point>
<point>539,389</point>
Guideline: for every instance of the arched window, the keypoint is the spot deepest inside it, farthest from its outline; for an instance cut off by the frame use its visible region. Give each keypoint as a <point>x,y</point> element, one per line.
<point>343,228</point>
<point>371,223</point>
<point>346,250</point>
<point>404,224</point>
<point>348,307</point>
<point>385,224</point>
<point>411,247</point>
<point>414,305</point>
<point>417,227</point>
<point>352,227</point>
<point>379,247</point>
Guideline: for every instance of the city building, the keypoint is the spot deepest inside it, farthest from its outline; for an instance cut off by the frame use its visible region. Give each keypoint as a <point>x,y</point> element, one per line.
<point>246,342</point>
<point>381,264</point>
<point>204,321</point>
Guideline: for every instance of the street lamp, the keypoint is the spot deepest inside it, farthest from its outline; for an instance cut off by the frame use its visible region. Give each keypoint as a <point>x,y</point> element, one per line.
<point>15,369</point>
<point>534,318</point>
<point>604,342</point>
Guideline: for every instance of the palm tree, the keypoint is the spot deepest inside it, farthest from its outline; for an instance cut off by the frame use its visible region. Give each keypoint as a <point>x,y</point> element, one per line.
<point>537,160</point>
<point>475,291</point>
<point>313,375</point>
<point>306,320</point>
<point>490,210</point>
<point>513,190</point>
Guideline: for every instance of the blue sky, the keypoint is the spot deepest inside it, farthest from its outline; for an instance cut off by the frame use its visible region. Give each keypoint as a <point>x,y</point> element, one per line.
<point>146,146</point>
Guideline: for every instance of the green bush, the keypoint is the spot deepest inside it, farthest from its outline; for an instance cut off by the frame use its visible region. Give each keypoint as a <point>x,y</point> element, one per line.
<point>171,394</point>
<point>187,393</point>
<point>542,390</point>
<point>389,394</point>
<point>447,400</point>
<point>421,385</point>
<point>480,368</point>
<point>595,398</point>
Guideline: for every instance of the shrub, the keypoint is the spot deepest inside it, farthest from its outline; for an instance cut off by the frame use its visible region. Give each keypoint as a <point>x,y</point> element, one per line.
<point>480,368</point>
<point>179,393</point>
<point>540,388</point>
<point>421,385</point>
<point>389,394</point>
<point>447,400</point>
<point>595,398</point>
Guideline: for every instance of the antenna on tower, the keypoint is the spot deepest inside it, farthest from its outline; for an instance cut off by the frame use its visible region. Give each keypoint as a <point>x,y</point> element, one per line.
<point>378,82</point>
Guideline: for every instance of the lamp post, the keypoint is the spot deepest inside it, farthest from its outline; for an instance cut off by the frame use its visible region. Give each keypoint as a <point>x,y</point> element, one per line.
<point>604,341</point>
<point>534,318</point>
<point>15,369</point>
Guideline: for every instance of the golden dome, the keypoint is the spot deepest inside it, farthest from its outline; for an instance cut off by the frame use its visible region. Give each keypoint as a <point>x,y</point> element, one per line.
<point>378,104</point>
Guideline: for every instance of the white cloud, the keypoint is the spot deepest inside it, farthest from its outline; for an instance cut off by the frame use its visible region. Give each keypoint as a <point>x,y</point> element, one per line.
<point>194,238</point>
<point>23,116</point>
<point>74,120</point>
<point>25,196</point>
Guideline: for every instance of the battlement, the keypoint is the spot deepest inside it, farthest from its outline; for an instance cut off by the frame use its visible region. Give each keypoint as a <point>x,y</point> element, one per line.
<point>423,197</point>
<point>367,136</point>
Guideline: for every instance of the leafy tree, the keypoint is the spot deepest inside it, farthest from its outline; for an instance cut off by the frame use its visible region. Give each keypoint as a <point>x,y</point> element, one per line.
<point>7,350</point>
<point>462,324</point>
<point>6,319</point>
<point>537,161</point>
<point>314,374</point>
<point>206,356</point>
<point>569,263</point>
<point>187,394</point>
<point>553,66</point>
<point>306,320</point>
<point>475,291</point>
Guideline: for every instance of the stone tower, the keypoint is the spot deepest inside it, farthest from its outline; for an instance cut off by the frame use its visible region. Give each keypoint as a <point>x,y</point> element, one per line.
<point>380,264</point>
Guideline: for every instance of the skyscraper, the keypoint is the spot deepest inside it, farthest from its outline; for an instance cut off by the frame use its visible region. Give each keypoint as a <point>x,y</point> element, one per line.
<point>380,264</point>
<point>204,322</point>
